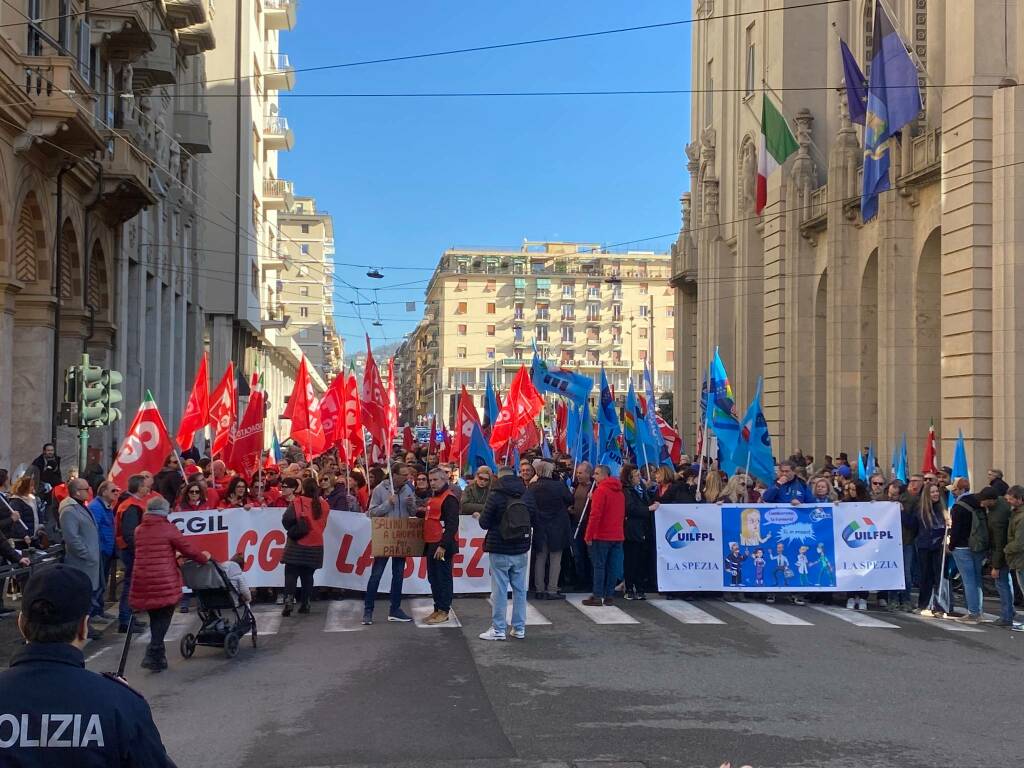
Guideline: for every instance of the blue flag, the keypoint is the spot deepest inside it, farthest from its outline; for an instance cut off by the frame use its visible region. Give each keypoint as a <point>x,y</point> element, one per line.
<point>580,434</point>
<point>663,455</point>
<point>479,451</point>
<point>959,462</point>
<point>545,449</point>
<point>900,469</point>
<point>634,427</point>
<point>894,100</point>
<point>856,85</point>
<point>718,408</point>
<point>275,446</point>
<point>515,458</point>
<point>754,446</point>
<point>490,404</point>
<point>608,429</point>
<point>575,387</point>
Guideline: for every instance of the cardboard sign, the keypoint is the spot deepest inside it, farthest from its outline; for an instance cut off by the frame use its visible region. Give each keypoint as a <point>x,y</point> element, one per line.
<point>397,536</point>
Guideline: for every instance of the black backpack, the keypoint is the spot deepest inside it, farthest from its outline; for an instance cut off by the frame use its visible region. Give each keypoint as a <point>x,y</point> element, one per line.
<point>515,522</point>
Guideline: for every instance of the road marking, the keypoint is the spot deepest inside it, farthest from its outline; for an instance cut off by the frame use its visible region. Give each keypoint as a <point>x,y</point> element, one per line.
<point>100,652</point>
<point>605,614</point>
<point>534,618</point>
<point>267,622</point>
<point>947,624</point>
<point>771,615</point>
<point>180,623</point>
<point>342,616</point>
<point>687,613</point>
<point>423,607</point>
<point>857,618</point>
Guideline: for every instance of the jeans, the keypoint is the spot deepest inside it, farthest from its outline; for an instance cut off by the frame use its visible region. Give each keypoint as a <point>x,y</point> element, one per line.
<point>969,565</point>
<point>159,623</point>
<point>508,570</point>
<point>606,557</point>
<point>124,610</point>
<point>292,576</point>
<point>397,577</point>
<point>581,562</point>
<point>106,562</point>
<point>903,595</point>
<point>439,574</point>
<point>1005,589</point>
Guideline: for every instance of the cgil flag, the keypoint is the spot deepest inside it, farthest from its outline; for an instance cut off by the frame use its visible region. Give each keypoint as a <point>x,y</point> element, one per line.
<point>776,144</point>
<point>224,412</point>
<point>561,426</point>
<point>248,445</point>
<point>374,402</point>
<point>856,85</point>
<point>197,409</point>
<point>465,418</point>
<point>307,428</point>
<point>754,444</point>
<point>145,447</point>
<point>353,444</point>
<point>522,404</point>
<point>332,407</point>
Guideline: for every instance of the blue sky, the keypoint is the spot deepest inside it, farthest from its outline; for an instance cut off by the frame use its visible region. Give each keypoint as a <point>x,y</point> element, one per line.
<point>406,178</point>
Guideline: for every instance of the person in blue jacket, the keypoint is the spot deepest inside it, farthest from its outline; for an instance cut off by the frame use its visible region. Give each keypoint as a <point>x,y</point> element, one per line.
<point>788,488</point>
<point>102,510</point>
<point>55,712</point>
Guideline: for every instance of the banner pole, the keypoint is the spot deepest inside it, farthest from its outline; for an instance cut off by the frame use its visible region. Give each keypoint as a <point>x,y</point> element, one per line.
<point>586,508</point>
<point>704,441</point>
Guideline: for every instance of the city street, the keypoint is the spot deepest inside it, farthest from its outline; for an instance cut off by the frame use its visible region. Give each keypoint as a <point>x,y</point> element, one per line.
<point>658,683</point>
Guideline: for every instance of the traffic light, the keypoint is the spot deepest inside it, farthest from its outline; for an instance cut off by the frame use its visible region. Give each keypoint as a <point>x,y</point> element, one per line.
<point>111,395</point>
<point>90,395</point>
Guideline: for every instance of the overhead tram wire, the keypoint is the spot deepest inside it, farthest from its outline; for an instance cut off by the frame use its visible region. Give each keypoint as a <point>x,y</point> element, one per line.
<point>71,15</point>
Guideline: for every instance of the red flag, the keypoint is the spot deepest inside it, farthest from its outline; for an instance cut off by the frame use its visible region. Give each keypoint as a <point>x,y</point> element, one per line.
<point>673,441</point>
<point>432,445</point>
<point>527,436</point>
<point>392,404</point>
<point>353,443</point>
<point>248,444</point>
<point>465,418</point>
<point>446,445</point>
<point>332,411</point>
<point>408,439</point>
<point>307,428</point>
<point>561,427</point>
<point>146,445</point>
<point>224,411</point>
<point>375,405</point>
<point>522,405</point>
<point>928,463</point>
<point>197,409</point>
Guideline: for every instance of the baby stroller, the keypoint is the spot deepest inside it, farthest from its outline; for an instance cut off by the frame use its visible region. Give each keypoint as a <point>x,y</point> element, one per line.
<point>216,594</point>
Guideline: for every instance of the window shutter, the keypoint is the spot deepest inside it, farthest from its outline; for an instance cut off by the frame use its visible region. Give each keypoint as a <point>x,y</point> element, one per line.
<point>84,44</point>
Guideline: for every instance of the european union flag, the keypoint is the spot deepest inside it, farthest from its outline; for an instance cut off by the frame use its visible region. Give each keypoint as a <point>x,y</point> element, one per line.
<point>856,85</point>
<point>894,100</point>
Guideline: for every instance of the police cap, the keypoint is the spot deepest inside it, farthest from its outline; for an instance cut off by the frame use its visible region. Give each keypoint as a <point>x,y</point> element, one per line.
<point>57,594</point>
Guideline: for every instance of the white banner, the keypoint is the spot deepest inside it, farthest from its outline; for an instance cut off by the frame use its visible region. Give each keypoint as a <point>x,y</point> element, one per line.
<point>779,548</point>
<point>259,536</point>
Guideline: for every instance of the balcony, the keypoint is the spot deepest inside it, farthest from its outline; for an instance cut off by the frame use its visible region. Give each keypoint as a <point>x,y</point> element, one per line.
<point>192,130</point>
<point>279,74</point>
<point>277,135</point>
<point>126,173</point>
<point>925,159</point>
<point>278,194</point>
<point>58,108</point>
<point>184,13</point>
<point>279,14</point>
<point>120,30</point>
<point>196,39</point>
<point>159,66</point>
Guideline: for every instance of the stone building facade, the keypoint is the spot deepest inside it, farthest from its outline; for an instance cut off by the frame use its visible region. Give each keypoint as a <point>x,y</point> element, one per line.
<point>863,332</point>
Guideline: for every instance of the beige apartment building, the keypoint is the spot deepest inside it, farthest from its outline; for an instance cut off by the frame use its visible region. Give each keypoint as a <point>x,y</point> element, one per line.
<point>586,307</point>
<point>862,331</point>
<point>303,294</point>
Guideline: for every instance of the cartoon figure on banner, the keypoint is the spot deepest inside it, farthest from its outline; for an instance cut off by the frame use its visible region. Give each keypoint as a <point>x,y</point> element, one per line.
<point>801,564</point>
<point>782,570</point>
<point>750,531</point>
<point>759,564</point>
<point>826,574</point>
<point>734,563</point>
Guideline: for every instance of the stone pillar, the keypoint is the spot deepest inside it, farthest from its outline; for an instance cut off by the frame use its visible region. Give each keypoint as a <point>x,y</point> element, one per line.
<point>7,337</point>
<point>32,376</point>
<point>774,271</point>
<point>745,281</point>
<point>1008,283</point>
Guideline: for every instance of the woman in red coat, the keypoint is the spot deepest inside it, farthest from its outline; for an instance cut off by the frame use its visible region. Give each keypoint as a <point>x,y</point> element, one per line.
<point>156,579</point>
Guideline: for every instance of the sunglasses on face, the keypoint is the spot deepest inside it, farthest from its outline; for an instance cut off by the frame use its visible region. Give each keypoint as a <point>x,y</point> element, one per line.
<point>194,492</point>
<point>877,485</point>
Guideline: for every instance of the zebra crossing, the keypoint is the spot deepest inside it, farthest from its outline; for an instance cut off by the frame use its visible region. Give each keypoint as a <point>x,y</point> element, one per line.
<point>343,616</point>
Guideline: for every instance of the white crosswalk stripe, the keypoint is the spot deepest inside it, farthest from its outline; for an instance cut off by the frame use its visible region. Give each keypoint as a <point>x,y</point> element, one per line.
<point>857,618</point>
<point>423,607</point>
<point>181,624</point>
<point>534,618</point>
<point>947,624</point>
<point>605,614</point>
<point>687,613</point>
<point>770,615</point>
<point>344,616</point>
<point>268,622</point>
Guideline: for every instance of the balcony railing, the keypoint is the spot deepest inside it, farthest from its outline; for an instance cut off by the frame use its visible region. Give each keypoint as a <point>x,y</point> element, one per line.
<point>278,194</point>
<point>279,74</point>
<point>280,14</point>
<point>276,133</point>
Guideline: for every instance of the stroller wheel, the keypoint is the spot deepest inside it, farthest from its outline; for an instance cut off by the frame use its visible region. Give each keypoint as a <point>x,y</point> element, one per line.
<point>231,645</point>
<point>188,645</point>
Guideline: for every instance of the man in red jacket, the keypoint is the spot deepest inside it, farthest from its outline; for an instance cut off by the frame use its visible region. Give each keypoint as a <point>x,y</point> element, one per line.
<point>605,533</point>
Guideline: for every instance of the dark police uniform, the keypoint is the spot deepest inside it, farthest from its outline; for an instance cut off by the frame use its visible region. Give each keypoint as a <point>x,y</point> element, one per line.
<point>55,713</point>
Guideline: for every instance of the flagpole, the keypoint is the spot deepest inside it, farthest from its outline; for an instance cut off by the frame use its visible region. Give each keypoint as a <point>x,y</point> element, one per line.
<point>704,441</point>
<point>789,119</point>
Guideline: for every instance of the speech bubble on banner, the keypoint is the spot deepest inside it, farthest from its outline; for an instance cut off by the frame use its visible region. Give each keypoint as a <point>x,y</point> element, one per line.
<point>780,516</point>
<point>799,532</point>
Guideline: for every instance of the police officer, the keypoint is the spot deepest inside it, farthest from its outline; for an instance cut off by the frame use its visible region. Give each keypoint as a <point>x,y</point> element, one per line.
<point>54,712</point>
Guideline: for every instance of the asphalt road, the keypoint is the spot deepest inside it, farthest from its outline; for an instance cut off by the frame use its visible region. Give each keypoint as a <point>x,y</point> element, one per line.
<point>706,684</point>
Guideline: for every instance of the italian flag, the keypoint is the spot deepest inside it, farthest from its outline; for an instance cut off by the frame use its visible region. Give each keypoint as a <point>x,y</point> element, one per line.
<point>777,143</point>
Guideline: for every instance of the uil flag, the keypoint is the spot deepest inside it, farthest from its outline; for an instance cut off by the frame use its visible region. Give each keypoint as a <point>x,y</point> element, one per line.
<point>197,409</point>
<point>651,415</point>
<point>146,445</point>
<point>754,446</point>
<point>522,404</point>
<point>777,143</point>
<point>928,464</point>
<point>608,428</point>
<point>718,406</point>
<point>224,411</point>
<point>353,444</point>
<point>332,411</point>
<point>307,428</point>
<point>408,439</point>
<point>479,453</point>
<point>491,406</point>
<point>464,421</point>
<point>374,403</point>
<point>248,445</point>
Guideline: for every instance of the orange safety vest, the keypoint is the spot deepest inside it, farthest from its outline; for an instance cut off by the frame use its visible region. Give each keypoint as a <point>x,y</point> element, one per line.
<point>131,501</point>
<point>433,531</point>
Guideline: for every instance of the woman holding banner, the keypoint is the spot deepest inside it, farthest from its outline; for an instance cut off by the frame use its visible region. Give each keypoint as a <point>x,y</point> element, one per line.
<point>931,539</point>
<point>304,521</point>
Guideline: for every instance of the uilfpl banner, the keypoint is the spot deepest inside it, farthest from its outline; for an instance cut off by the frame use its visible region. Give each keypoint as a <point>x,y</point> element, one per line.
<point>259,536</point>
<point>779,548</point>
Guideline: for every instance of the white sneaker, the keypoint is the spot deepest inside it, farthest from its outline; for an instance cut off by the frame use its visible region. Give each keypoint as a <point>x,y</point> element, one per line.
<point>851,604</point>
<point>492,634</point>
<point>862,604</point>
<point>518,634</point>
